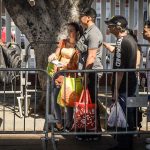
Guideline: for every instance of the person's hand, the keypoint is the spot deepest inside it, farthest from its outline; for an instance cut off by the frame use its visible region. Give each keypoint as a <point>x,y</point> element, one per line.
<point>106,45</point>
<point>109,46</point>
<point>59,80</point>
<point>52,57</point>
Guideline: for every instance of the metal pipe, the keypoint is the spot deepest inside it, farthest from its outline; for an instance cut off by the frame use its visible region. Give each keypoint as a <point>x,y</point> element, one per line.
<point>8,27</point>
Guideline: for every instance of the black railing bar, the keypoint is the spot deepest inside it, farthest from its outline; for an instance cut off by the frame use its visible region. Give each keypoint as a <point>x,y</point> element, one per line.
<point>10,92</point>
<point>22,69</point>
<point>30,91</point>
<point>140,44</point>
<point>101,70</point>
<point>102,133</point>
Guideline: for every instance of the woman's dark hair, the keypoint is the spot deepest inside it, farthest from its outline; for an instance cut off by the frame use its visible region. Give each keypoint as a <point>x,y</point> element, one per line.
<point>77,27</point>
<point>147,23</point>
<point>89,12</point>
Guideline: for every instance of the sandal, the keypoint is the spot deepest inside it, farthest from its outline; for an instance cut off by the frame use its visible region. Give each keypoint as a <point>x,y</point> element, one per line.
<point>59,127</point>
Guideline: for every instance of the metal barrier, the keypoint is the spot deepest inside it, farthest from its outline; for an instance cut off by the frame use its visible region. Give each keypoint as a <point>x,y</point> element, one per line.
<point>10,120</point>
<point>103,100</point>
<point>28,89</point>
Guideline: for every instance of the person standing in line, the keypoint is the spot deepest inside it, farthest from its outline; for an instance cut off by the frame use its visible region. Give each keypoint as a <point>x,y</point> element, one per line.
<point>90,49</point>
<point>68,55</point>
<point>146,36</point>
<point>125,56</point>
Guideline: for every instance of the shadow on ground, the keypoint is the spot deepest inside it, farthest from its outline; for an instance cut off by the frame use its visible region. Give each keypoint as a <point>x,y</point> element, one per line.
<point>65,143</point>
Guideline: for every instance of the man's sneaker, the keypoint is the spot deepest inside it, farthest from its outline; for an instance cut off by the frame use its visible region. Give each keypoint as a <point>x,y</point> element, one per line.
<point>147,147</point>
<point>66,130</point>
<point>93,137</point>
<point>147,140</point>
<point>96,138</point>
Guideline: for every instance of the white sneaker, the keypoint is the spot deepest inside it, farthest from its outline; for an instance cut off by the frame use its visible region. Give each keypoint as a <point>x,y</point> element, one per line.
<point>147,140</point>
<point>147,147</point>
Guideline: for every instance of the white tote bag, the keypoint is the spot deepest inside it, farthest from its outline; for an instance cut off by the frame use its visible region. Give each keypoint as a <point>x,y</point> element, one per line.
<point>117,117</point>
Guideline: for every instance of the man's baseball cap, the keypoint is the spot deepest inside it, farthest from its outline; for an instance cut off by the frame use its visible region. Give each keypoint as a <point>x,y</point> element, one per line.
<point>118,21</point>
<point>88,12</point>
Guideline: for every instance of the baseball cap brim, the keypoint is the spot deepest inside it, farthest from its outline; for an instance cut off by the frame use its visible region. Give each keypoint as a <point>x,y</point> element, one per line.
<point>117,20</point>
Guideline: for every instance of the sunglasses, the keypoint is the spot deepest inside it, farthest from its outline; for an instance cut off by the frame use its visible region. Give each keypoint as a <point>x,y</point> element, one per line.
<point>111,25</point>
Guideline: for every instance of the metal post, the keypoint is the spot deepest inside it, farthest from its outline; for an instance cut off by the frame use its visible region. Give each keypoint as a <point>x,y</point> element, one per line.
<point>122,7</point>
<point>8,27</point>
<point>103,18</point>
<point>140,20</point>
<point>131,14</point>
<point>0,18</point>
<point>148,9</point>
<point>17,36</point>
<point>112,6</point>
<point>94,4</point>
<point>103,28</point>
<point>26,42</point>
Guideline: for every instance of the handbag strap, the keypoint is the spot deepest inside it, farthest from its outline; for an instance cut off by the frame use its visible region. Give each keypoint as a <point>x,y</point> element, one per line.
<point>89,97</point>
<point>61,45</point>
<point>85,97</point>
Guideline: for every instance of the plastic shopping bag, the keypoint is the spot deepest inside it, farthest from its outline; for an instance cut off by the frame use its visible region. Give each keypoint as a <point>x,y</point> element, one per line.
<point>70,92</point>
<point>117,117</point>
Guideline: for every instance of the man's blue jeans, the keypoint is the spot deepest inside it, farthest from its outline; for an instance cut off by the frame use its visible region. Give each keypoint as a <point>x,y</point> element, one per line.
<point>126,140</point>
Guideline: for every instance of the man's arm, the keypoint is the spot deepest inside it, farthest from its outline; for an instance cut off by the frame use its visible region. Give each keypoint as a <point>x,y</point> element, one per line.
<point>90,58</point>
<point>109,47</point>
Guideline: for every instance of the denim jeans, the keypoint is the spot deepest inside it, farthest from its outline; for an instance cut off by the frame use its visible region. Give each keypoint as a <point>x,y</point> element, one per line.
<point>126,140</point>
<point>92,87</point>
<point>68,111</point>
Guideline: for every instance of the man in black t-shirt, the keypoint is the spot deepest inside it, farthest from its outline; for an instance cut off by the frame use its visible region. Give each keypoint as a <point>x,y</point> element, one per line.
<point>124,83</point>
<point>125,58</point>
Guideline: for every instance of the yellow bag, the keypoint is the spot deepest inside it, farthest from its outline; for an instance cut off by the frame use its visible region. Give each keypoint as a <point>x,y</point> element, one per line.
<point>70,92</point>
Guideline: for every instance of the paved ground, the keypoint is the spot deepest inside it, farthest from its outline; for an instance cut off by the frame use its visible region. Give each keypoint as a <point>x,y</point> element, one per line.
<point>33,142</point>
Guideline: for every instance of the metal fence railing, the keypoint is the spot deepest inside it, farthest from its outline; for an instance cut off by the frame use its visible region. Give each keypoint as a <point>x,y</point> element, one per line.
<point>11,104</point>
<point>97,111</point>
<point>90,118</point>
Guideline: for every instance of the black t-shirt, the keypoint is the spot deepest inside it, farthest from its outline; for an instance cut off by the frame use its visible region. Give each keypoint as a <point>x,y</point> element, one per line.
<point>125,58</point>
